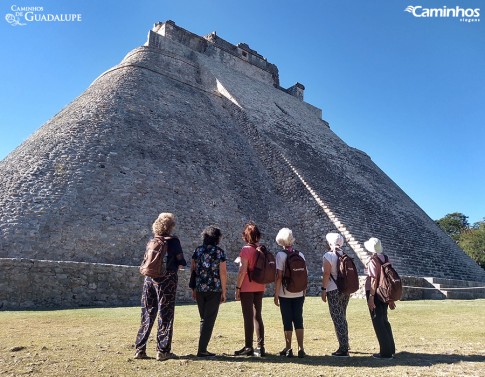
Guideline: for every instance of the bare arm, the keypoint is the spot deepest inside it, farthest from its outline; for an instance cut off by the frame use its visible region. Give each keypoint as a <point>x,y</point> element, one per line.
<point>327,267</point>
<point>192,268</point>
<point>277,286</point>
<point>243,270</point>
<point>223,273</point>
<point>373,288</point>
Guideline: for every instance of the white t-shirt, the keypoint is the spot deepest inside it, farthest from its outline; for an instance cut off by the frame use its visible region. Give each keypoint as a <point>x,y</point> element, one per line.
<point>332,257</point>
<point>280,265</point>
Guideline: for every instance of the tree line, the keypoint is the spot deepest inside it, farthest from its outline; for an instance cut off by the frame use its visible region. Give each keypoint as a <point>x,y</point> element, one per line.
<point>471,238</point>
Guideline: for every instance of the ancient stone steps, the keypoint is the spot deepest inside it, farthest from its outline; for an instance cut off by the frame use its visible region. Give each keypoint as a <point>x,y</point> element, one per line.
<point>456,289</point>
<point>355,245</point>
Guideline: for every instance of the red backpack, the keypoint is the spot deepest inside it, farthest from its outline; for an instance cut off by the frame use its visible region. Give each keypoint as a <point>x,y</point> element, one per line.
<point>390,285</point>
<point>154,262</point>
<point>295,275</point>
<point>264,270</point>
<point>347,276</point>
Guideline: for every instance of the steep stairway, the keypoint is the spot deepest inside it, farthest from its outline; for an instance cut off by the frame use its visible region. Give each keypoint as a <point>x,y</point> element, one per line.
<point>455,289</point>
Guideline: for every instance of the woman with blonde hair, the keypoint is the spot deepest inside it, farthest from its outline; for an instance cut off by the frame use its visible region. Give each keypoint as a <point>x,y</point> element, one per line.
<point>290,303</point>
<point>158,294</point>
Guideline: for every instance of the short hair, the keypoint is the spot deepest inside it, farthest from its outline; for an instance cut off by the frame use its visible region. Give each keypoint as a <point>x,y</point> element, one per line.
<point>211,235</point>
<point>251,233</point>
<point>285,237</point>
<point>164,224</point>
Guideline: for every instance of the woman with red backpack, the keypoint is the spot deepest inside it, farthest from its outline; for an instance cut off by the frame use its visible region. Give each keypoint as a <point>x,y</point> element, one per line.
<point>290,300</point>
<point>337,301</point>
<point>377,307</point>
<point>250,293</point>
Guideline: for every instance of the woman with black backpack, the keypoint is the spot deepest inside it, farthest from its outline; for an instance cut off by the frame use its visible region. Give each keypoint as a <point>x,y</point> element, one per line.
<point>209,288</point>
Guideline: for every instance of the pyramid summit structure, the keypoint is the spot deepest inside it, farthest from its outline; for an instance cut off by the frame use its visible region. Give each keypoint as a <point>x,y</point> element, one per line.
<point>202,128</point>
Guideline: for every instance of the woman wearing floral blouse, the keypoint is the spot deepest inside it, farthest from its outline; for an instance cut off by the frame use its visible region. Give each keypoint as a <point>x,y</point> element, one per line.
<point>209,264</point>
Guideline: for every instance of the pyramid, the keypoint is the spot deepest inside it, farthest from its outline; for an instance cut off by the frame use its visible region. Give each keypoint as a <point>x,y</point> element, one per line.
<point>202,128</point>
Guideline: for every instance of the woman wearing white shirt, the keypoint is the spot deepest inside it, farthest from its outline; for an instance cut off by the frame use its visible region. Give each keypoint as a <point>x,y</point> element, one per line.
<point>337,301</point>
<point>290,303</point>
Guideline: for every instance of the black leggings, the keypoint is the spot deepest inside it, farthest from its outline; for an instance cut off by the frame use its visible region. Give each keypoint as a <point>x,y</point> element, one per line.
<point>382,327</point>
<point>292,312</point>
<point>252,305</point>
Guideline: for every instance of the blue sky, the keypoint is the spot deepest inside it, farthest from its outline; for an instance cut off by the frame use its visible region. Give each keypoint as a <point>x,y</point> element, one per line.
<point>409,91</point>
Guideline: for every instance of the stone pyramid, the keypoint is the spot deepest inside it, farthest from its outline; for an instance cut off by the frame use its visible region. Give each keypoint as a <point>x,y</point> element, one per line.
<point>201,128</point>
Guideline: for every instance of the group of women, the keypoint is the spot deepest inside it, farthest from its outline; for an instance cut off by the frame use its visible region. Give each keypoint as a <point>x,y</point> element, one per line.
<point>209,290</point>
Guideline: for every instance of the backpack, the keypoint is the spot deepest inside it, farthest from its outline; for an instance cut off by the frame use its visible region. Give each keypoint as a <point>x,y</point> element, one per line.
<point>390,285</point>
<point>264,271</point>
<point>347,276</point>
<point>154,262</point>
<point>295,275</point>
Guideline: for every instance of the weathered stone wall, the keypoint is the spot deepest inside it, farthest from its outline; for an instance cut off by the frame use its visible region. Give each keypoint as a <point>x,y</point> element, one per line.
<point>30,284</point>
<point>175,129</point>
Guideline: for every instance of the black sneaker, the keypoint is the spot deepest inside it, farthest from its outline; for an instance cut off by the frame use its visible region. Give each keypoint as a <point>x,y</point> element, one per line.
<point>206,354</point>
<point>301,354</point>
<point>259,352</point>
<point>380,357</point>
<point>140,354</point>
<point>245,351</point>
<point>340,353</point>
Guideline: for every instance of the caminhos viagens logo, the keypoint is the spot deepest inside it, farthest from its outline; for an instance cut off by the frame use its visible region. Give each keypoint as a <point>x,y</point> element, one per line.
<point>23,15</point>
<point>462,14</point>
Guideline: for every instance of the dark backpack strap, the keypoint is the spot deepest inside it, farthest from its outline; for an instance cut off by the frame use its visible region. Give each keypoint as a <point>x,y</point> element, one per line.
<point>338,261</point>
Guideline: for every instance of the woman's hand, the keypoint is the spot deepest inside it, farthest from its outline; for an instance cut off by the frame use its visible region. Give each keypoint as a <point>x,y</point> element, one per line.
<point>238,296</point>
<point>276,300</point>
<point>194,294</point>
<point>392,305</point>
<point>370,303</point>
<point>223,297</point>
<point>324,296</point>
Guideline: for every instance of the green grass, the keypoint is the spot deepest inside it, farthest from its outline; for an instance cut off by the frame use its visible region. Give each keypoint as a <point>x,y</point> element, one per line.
<point>433,338</point>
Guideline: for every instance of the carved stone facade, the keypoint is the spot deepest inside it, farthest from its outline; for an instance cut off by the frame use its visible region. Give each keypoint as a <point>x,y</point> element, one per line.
<point>190,125</point>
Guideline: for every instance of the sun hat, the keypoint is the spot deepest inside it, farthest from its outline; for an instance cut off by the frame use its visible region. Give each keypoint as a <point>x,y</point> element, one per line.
<point>335,240</point>
<point>373,245</point>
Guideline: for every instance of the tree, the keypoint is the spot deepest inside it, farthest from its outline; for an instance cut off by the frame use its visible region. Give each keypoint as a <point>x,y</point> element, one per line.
<point>454,224</point>
<point>472,241</point>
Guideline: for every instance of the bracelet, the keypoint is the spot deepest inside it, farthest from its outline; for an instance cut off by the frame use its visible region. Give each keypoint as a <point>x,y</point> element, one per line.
<point>238,288</point>
<point>371,295</point>
<point>324,289</point>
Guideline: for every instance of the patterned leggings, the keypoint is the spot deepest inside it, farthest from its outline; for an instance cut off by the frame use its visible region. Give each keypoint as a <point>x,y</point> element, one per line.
<point>337,304</point>
<point>158,297</point>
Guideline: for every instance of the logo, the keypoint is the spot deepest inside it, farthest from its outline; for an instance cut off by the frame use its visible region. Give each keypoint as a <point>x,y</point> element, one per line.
<point>463,14</point>
<point>21,16</point>
<point>13,20</point>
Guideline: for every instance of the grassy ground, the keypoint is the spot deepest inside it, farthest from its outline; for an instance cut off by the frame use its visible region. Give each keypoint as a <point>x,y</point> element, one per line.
<point>433,338</point>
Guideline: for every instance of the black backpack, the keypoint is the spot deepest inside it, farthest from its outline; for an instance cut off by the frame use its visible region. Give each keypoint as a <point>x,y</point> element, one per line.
<point>295,275</point>
<point>264,270</point>
<point>347,276</point>
<point>390,285</point>
<point>154,262</point>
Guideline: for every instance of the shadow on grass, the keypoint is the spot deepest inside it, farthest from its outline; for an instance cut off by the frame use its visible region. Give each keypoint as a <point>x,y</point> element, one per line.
<point>356,359</point>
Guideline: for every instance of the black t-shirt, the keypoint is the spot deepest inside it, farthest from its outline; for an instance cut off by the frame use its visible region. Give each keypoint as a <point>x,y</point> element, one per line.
<point>175,255</point>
